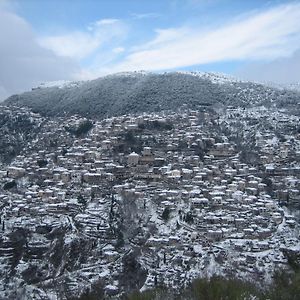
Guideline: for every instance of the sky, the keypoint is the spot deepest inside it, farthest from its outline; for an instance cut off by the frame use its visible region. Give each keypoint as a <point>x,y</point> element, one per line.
<point>49,40</point>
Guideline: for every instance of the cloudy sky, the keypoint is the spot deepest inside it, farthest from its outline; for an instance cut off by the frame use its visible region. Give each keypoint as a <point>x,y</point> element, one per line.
<point>53,40</point>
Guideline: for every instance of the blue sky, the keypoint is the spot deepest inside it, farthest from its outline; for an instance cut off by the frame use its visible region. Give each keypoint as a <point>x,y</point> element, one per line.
<point>85,39</point>
<point>142,19</point>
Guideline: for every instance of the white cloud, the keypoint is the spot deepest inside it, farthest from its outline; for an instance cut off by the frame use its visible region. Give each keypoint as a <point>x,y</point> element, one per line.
<point>81,44</point>
<point>145,15</point>
<point>107,21</point>
<point>265,35</point>
<point>283,70</point>
<point>24,63</point>
<point>118,50</point>
<point>75,45</point>
<point>164,36</point>
<point>3,93</point>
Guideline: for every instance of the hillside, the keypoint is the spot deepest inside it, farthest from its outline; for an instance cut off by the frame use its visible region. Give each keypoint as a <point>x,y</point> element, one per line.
<point>102,209</point>
<point>19,128</point>
<point>137,92</point>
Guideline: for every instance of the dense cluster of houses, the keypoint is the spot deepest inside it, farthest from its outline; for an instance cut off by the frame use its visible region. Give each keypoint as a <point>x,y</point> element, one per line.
<point>171,187</point>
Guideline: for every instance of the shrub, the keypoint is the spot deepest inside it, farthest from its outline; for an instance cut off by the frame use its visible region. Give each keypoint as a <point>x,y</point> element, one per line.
<point>82,129</point>
<point>42,163</point>
<point>9,185</point>
<point>166,214</point>
<point>81,200</point>
<point>218,288</point>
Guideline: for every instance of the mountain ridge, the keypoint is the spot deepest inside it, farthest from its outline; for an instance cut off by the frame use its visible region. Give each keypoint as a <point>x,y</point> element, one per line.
<point>136,92</point>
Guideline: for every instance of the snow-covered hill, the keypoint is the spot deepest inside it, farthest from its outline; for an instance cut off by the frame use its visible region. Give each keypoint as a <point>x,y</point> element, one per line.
<point>136,92</point>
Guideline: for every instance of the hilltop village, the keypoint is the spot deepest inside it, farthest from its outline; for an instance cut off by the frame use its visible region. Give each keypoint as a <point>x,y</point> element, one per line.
<point>155,199</point>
